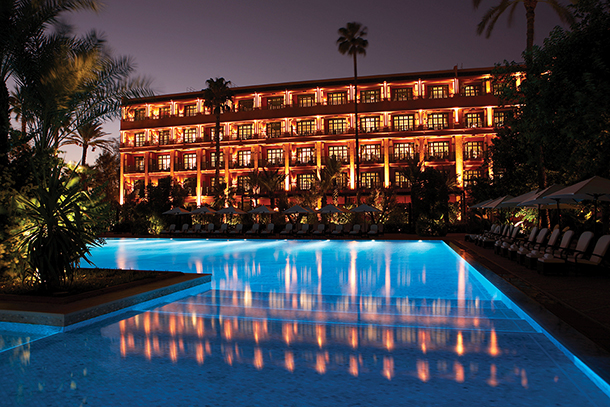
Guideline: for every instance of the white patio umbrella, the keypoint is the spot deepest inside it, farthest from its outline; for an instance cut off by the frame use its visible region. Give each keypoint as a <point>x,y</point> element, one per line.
<point>331,209</point>
<point>297,209</point>
<point>493,204</point>
<point>592,189</point>
<point>204,210</point>
<point>511,203</point>
<point>480,204</point>
<point>364,208</point>
<point>230,210</point>
<point>176,211</point>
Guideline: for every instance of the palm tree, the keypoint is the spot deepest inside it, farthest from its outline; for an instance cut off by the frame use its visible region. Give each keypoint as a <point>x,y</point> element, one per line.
<point>328,179</point>
<point>351,42</point>
<point>491,17</point>
<point>22,23</point>
<point>271,181</point>
<point>89,135</point>
<point>216,97</point>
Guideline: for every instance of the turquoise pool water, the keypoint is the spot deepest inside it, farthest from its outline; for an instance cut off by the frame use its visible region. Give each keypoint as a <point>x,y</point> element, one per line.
<point>299,323</point>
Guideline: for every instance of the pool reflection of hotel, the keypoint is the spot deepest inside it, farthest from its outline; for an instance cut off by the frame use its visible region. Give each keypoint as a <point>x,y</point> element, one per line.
<point>445,119</point>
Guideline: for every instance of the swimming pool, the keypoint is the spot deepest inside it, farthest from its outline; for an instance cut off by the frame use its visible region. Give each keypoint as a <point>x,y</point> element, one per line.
<point>300,323</point>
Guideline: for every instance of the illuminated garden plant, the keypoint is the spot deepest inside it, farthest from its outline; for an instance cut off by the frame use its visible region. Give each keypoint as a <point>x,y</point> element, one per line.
<point>59,229</point>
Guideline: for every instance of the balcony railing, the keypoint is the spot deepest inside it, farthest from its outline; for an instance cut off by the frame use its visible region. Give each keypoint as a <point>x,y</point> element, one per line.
<point>302,162</point>
<point>134,169</point>
<point>371,158</point>
<point>403,158</point>
<point>154,167</point>
<point>474,155</point>
<point>441,156</point>
<point>242,164</point>
<point>343,160</point>
<point>272,163</point>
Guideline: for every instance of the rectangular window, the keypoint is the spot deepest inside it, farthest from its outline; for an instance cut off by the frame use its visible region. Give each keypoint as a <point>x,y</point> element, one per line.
<point>213,133</point>
<point>473,150</point>
<point>189,161</point>
<point>336,98</point>
<point>164,137</point>
<point>471,90</point>
<point>370,96</point>
<point>370,180</point>
<point>139,114</point>
<point>404,151</point>
<point>438,150</point>
<point>470,175</point>
<point>244,158</point>
<point>402,94</point>
<point>275,156</point>
<point>497,88</point>
<point>243,183</point>
<point>274,129</point>
<point>306,100</point>
<point>164,111</point>
<point>370,153</point>
<point>339,153</point>
<point>140,139</point>
<point>403,122</point>
<point>190,110</point>
<point>138,163</point>
<point>500,117</point>
<point>163,162</point>
<point>336,126</point>
<point>438,91</point>
<point>342,180</point>
<point>306,155</point>
<point>275,103</point>
<point>369,124</point>
<point>245,131</point>
<point>246,105</point>
<point>305,181</point>
<point>213,159</point>
<point>474,120</point>
<point>306,127</point>
<point>190,134</point>
<point>401,180</point>
<point>438,121</point>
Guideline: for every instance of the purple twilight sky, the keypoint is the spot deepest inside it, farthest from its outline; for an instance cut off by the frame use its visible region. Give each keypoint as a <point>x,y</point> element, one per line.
<point>181,43</point>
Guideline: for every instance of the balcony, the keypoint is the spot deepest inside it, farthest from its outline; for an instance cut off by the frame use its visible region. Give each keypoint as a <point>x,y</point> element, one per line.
<point>154,167</point>
<point>371,158</point>
<point>241,164</point>
<point>441,156</point>
<point>303,161</point>
<point>344,160</point>
<point>404,157</point>
<point>474,155</point>
<point>180,166</point>
<point>134,169</point>
<point>272,163</point>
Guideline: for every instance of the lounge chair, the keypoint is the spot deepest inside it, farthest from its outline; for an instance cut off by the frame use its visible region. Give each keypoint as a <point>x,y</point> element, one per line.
<point>514,248</point>
<point>287,229</point>
<point>506,241</point>
<point>254,230</point>
<point>532,257</point>
<point>492,234</point>
<point>269,230</point>
<point>524,250</point>
<point>304,230</point>
<point>185,228</point>
<point>337,231</point>
<point>223,229</point>
<point>491,240</point>
<point>319,230</point>
<point>597,257</point>
<point>551,263</point>
<point>355,230</point>
<point>472,237</point>
<point>195,229</point>
<point>374,230</point>
<point>347,228</point>
<point>208,229</point>
<point>171,229</point>
<point>239,229</point>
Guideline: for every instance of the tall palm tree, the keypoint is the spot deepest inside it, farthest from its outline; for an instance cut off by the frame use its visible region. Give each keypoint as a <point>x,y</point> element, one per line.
<point>491,16</point>
<point>351,41</point>
<point>88,135</point>
<point>22,23</point>
<point>216,97</point>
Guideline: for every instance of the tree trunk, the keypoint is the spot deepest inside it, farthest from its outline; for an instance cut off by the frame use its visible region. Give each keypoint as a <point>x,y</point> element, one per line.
<point>84,158</point>
<point>530,14</point>
<point>356,128</point>
<point>4,124</point>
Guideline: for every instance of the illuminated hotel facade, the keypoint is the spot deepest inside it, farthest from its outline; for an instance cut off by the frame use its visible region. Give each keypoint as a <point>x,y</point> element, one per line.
<point>445,119</point>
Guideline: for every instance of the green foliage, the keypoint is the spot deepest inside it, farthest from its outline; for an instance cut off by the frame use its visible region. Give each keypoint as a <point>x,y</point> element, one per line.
<point>59,224</point>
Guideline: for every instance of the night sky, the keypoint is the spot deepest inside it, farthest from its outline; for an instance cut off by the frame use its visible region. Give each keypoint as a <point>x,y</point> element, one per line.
<point>181,43</point>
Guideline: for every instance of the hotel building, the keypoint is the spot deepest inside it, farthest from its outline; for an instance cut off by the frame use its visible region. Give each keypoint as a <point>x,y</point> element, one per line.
<point>445,119</point>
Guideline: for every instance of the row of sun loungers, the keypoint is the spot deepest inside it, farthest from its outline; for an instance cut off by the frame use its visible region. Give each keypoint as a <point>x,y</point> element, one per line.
<point>547,251</point>
<point>301,229</point>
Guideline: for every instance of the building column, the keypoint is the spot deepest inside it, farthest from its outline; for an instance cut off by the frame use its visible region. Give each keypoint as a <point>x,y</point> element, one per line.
<point>319,149</point>
<point>352,164</point>
<point>287,155</point>
<point>422,149</point>
<point>386,162</point>
<point>227,156</point>
<point>198,188</point>
<point>146,159</point>
<point>122,178</point>
<point>459,160</point>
